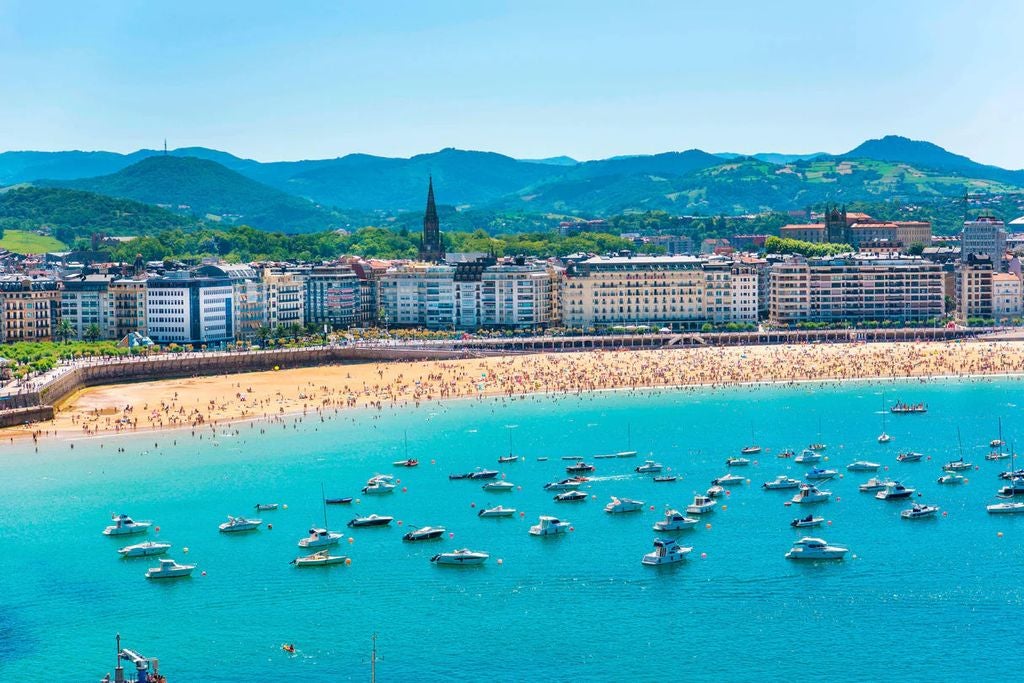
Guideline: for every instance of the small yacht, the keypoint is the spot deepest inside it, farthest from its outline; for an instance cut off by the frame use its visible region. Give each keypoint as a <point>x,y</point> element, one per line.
<point>579,468</point>
<point>460,558</point>
<point>508,458</point>
<point>338,501</point>
<point>863,466</point>
<point>626,454</point>
<point>266,507</point>
<point>1011,474</point>
<point>996,443</point>
<point>810,494</point>
<point>240,524</point>
<point>701,504</point>
<point>499,486</point>
<point>918,511</point>
<point>816,473</point>
<point>952,478</point>
<point>1008,508</point>
<point>737,462</point>
<point>411,462</point>
<point>997,455</point>
<point>320,538</point>
<point>909,456</point>
<point>815,549</point>
<point>894,490</point>
<point>321,558</point>
<point>807,456</point>
<point>817,447</point>
<point>781,483</point>
<point>664,478</point>
<point>675,521</point>
<point>125,526</point>
<point>957,465</point>
<point>604,456</point>
<point>715,491</point>
<point>900,408</point>
<point>666,551</point>
<point>570,497</point>
<point>459,475</point>
<point>497,511</point>
<point>425,533</point>
<point>649,467</point>
<point>564,485</point>
<point>806,522</point>
<point>728,480</point>
<point>144,549</point>
<point>482,474</point>
<point>1015,488</point>
<point>623,505</point>
<point>378,487</point>
<point>750,450</point>
<point>884,438</point>
<point>549,526</point>
<point>787,453</point>
<point>169,569</point>
<point>875,484</point>
<point>371,520</point>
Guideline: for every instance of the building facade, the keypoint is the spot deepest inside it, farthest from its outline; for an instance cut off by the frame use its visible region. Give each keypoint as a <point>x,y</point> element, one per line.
<point>31,308</point>
<point>984,235</point>
<point>332,296</point>
<point>285,299</point>
<point>87,303</point>
<point>129,296</point>
<point>1006,296</point>
<point>184,308</point>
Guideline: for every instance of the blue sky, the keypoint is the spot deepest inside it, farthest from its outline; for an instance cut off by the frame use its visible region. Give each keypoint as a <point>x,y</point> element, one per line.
<point>276,80</point>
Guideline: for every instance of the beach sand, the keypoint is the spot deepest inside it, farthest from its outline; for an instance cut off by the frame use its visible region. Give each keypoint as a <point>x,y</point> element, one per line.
<point>206,402</point>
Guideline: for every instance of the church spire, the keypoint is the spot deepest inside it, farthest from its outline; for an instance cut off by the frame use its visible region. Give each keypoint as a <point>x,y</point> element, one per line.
<point>431,246</point>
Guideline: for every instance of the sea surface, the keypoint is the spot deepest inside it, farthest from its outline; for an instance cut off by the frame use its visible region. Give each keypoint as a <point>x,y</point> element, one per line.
<point>934,600</point>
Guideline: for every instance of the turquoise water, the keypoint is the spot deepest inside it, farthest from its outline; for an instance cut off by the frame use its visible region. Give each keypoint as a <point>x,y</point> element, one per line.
<point>932,599</point>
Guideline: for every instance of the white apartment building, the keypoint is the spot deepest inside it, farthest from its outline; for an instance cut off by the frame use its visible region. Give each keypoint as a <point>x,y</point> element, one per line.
<point>285,299</point>
<point>984,235</point>
<point>184,309</point>
<point>419,295</point>
<point>1006,296</point>
<point>87,302</point>
<point>515,296</point>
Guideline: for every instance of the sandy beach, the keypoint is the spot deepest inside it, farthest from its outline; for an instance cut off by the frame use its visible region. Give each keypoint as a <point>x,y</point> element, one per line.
<point>206,402</point>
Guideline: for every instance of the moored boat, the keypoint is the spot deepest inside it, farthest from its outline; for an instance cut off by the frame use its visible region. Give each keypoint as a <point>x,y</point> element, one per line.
<point>909,456</point>
<point>570,497</point>
<point>460,558</point>
<point>806,522</point>
<point>618,505</point>
<point>424,533</point>
<point>410,462</point>
<point>781,483</point>
<point>338,501</point>
<point>508,458</point>
<point>953,478</point>
<point>144,549</point>
<point>319,538</point>
<point>815,549</point>
<point>649,467</point>
<point>499,486</point>
<point>919,511</point>
<point>169,569</point>
<point>818,473</point>
<point>564,485</point>
<point>727,480</point>
<point>371,520</point>
<point>497,511</point>
<point>874,484</point>
<point>894,490</point>
<point>737,462</point>
<point>863,466</point>
<point>483,474</point>
<point>810,494</point>
<point>666,551</point>
<point>662,478</point>
<point>701,504</point>
<point>579,468</point>
<point>807,456</point>
<point>236,524</point>
<point>900,408</point>
<point>1007,508</point>
<point>675,521</point>
<point>321,558</point>
<point>125,526</point>
<point>958,465</point>
<point>549,526</point>
<point>266,507</point>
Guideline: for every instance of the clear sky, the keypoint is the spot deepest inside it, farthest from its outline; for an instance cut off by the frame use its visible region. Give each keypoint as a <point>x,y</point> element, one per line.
<point>271,80</point>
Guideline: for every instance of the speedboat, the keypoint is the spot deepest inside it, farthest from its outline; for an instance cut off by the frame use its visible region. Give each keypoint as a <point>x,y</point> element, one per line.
<point>817,447</point>
<point>564,485</point>
<point>875,484</point>
<point>649,467</point>
<point>808,521</point>
<point>909,456</point>
<point>666,551</point>
<point>701,504</point>
<point>169,569</point>
<point>863,466</point>
<point>320,558</point>
<point>952,478</point>
<point>570,496</point>
<point>497,511</point>
<point>918,511</point>
<point>240,524</point>
<point>1008,508</point>
<point>499,486</point>
<point>371,520</point>
<point>815,549</point>
<point>1015,488</point>
<point>411,462</point>
<point>894,490</point>
<point>507,458</point>
<point>781,482</point>
<point>124,526</point>
<point>737,462</point>
<point>884,438</point>
<point>810,494</point>
<point>266,507</point>
<point>675,521</point>
<point>337,501</point>
<point>483,474</point>
<point>750,450</point>
<point>623,505</point>
<point>425,533</point>
<point>144,549</point>
<point>664,478</point>
<point>319,538</point>
<point>549,526</point>
<point>378,487</point>
<point>460,558</point>
<point>807,456</point>
<point>715,491</point>
<point>728,480</point>
<point>816,473</point>
<point>957,465</point>
<point>579,468</point>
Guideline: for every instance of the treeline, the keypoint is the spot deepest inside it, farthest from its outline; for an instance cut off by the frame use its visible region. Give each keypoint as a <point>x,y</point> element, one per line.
<point>785,245</point>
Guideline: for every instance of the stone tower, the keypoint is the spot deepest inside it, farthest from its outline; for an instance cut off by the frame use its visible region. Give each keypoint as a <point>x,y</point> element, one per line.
<point>431,246</point>
<point>836,228</point>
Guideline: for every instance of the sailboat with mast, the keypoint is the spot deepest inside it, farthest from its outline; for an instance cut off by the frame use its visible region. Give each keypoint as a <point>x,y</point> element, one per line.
<point>817,446</point>
<point>408,462</point>
<point>628,453</point>
<point>321,538</point>
<point>884,437</point>
<point>511,457</point>
<point>1009,506</point>
<point>753,447</point>
<point>997,445</point>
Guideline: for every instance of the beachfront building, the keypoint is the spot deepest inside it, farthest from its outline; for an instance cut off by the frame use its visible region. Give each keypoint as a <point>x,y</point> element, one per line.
<point>974,287</point>
<point>285,299</point>
<point>677,292</point>
<point>1006,296</point>
<point>129,295</point>
<point>332,296</point>
<point>515,296</point>
<point>984,235</point>
<point>30,308</point>
<point>855,288</point>
<point>87,303</point>
<point>186,308</point>
<point>419,295</point>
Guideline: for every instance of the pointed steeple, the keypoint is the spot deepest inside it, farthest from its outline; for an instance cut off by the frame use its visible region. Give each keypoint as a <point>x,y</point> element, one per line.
<point>431,214</point>
<point>431,245</point>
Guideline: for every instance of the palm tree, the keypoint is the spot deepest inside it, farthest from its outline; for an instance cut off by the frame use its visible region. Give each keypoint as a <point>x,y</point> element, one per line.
<point>64,331</point>
<point>92,333</point>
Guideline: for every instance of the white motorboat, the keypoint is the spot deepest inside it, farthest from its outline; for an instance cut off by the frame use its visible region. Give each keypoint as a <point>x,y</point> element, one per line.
<point>321,558</point>
<point>266,507</point>
<point>424,533</point>
<point>807,456</point>
<point>549,526</point>
<point>919,511</point>
<point>1008,508</point>
<point>604,456</point>
<point>649,467</point>
<point>817,447</point>
<point>675,521</point>
<point>952,478</point>
<point>580,467</point>
<point>715,491</point>
<point>728,480</point>
<point>482,474</point>
<point>909,456</point>
<point>564,485</point>
<point>460,558</point>
<point>378,487</point>
<point>626,454</point>
<point>875,484</point>
<point>884,438</point>
<point>750,450</point>
<point>618,505</point>
<point>863,466</point>
<point>806,522</point>
<point>570,497</point>
<point>781,483</point>
<point>125,526</point>
<point>809,494</point>
<point>818,473</point>
<point>737,462</point>
<point>371,520</point>
<point>1015,488</point>
<point>320,538</point>
<point>998,455</point>
<point>169,569</point>
<point>144,549</point>
<point>666,551</point>
<point>957,465</point>
<point>815,549</point>
<point>701,504</point>
<point>240,524</point>
<point>499,486</point>
<point>507,458</point>
<point>894,490</point>
<point>497,511</point>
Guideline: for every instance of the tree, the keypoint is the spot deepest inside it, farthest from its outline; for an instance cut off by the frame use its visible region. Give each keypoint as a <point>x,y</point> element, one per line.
<point>65,330</point>
<point>92,333</point>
